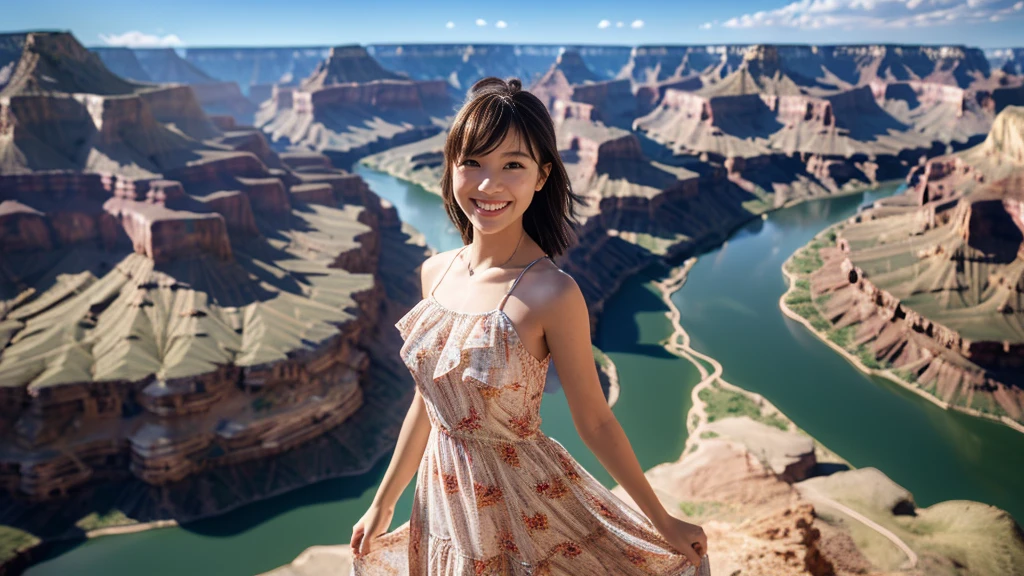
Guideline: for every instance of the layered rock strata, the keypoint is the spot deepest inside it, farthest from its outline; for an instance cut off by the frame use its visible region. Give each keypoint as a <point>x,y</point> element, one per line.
<point>351,107</point>
<point>930,284</point>
<point>178,315</point>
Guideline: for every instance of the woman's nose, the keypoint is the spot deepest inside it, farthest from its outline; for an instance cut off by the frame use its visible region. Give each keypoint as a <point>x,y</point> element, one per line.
<point>489,185</point>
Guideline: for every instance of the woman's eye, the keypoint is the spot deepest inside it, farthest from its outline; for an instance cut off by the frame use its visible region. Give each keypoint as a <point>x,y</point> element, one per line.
<point>515,164</point>
<point>468,162</point>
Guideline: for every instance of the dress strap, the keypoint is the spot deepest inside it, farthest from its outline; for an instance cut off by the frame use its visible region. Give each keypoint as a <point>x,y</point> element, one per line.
<point>454,258</point>
<point>502,303</point>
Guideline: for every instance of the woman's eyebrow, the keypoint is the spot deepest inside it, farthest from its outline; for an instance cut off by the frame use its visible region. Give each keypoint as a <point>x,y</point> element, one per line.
<point>517,153</point>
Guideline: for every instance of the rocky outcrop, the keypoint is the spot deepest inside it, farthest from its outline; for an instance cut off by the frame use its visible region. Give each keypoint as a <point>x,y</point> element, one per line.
<point>346,65</point>
<point>332,118</point>
<point>42,62</point>
<point>556,84</point>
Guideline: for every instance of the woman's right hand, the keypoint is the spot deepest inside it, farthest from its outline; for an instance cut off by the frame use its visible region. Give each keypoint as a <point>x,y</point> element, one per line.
<point>375,522</point>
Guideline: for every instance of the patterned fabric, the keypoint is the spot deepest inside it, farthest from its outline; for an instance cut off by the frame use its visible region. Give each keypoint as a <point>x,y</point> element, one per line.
<point>494,495</point>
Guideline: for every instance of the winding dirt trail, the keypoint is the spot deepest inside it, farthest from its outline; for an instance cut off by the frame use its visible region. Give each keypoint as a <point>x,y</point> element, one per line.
<point>697,419</point>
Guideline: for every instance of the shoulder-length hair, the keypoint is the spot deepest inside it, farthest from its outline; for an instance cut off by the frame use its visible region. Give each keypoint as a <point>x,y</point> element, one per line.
<point>492,107</point>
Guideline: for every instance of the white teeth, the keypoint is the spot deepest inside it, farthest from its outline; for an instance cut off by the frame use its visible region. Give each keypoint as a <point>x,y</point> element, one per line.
<point>490,207</point>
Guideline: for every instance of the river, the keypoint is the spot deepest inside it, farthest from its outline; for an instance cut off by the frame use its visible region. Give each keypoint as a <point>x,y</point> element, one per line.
<point>729,306</point>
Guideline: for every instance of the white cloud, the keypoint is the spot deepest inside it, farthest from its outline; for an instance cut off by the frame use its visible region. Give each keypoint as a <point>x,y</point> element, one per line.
<point>136,39</point>
<point>481,22</point>
<point>604,24</point>
<point>620,24</point>
<point>860,14</point>
<point>501,24</point>
<point>637,24</point>
<point>705,26</point>
<point>450,25</point>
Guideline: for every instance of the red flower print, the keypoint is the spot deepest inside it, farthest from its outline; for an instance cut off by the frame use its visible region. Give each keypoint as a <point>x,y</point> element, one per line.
<point>554,489</point>
<point>536,522</point>
<point>507,543</point>
<point>421,354</point>
<point>568,549</point>
<point>508,453</point>
<point>469,423</point>
<point>487,495</point>
<point>523,425</point>
<point>451,483</point>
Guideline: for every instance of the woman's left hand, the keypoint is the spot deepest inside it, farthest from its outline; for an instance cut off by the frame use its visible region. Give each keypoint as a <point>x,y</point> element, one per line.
<point>688,539</point>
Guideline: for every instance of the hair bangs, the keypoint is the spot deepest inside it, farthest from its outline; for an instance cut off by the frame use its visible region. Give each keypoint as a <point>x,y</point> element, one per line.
<point>488,124</point>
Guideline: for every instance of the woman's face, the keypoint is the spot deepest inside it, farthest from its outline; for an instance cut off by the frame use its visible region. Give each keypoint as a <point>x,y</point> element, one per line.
<point>494,190</point>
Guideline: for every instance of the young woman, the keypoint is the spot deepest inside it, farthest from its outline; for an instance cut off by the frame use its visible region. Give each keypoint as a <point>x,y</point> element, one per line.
<point>494,495</point>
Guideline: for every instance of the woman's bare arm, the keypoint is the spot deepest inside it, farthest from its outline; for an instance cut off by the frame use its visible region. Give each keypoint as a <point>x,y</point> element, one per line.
<point>567,331</point>
<point>412,439</point>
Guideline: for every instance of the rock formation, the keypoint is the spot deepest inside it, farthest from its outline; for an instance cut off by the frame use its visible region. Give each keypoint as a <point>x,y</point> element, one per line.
<point>931,283</point>
<point>781,127</point>
<point>571,90</point>
<point>180,313</point>
<point>164,66</point>
<point>351,107</point>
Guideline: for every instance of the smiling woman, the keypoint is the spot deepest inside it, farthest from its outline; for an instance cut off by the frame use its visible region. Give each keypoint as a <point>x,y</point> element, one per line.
<point>494,494</point>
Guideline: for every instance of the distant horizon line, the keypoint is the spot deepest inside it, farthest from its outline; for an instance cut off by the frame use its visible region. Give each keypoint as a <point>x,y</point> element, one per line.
<point>555,44</point>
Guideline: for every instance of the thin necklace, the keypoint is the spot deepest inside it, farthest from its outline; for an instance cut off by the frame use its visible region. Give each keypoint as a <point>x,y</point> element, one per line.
<point>468,267</point>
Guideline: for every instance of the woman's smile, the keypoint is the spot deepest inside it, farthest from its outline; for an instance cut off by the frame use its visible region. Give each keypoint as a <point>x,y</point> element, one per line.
<point>490,208</point>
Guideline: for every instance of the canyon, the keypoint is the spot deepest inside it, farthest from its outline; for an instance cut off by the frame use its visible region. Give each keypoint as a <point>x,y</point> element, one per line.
<point>180,307</point>
<point>196,293</point>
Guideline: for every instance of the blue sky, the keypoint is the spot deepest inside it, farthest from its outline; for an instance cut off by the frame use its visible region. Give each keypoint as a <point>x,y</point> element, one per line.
<point>984,23</point>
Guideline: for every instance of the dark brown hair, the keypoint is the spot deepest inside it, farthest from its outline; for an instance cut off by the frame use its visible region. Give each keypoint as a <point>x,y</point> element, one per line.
<point>492,107</point>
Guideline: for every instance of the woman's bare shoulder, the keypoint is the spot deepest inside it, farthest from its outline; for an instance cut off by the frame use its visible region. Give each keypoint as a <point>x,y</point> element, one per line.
<point>432,267</point>
<point>550,287</point>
